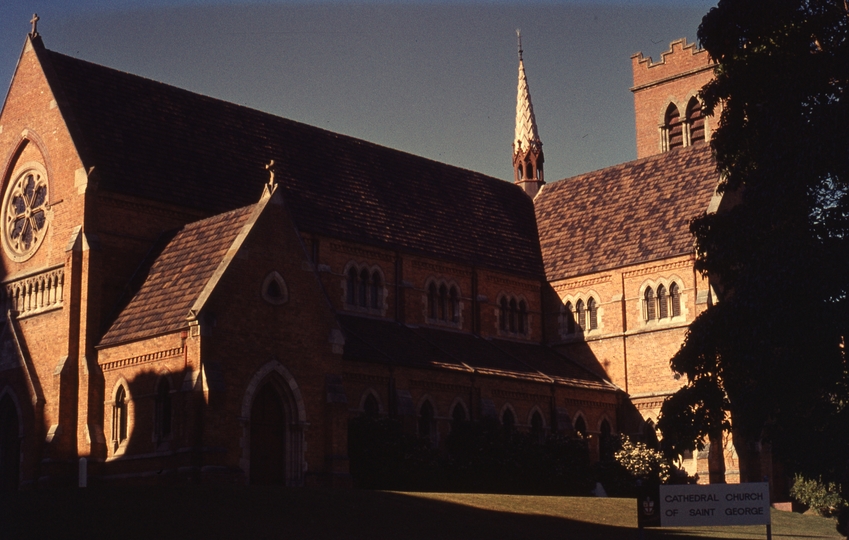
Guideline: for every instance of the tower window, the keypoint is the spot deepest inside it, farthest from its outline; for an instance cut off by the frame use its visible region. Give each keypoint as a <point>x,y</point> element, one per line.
<point>673,129</point>
<point>696,120</point>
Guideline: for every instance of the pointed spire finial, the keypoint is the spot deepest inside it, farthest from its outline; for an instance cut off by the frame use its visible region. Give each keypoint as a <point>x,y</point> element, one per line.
<point>34,22</point>
<point>519,37</point>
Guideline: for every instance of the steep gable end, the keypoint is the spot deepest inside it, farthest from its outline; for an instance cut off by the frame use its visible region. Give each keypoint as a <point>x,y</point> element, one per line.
<point>627,214</point>
<point>177,278</point>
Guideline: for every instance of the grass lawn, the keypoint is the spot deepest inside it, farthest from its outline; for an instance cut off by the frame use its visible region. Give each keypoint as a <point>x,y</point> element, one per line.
<point>210,511</point>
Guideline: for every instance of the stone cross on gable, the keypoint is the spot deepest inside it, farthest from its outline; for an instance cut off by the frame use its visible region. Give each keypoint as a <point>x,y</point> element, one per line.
<point>34,22</point>
<point>270,168</point>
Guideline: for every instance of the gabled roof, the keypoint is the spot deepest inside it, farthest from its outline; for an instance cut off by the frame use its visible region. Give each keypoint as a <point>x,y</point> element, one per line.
<point>177,277</point>
<point>158,142</point>
<point>389,342</point>
<point>627,214</point>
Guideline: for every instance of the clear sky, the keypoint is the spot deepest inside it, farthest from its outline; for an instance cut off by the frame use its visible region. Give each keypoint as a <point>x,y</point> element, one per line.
<point>434,78</point>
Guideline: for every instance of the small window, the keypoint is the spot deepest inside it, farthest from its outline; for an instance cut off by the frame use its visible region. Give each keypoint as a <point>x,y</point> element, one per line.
<point>362,297</point>
<point>508,422</point>
<point>371,409</point>
<point>537,428</point>
<point>431,300</point>
<point>119,416</point>
<point>351,288</point>
<point>162,421</point>
<point>675,299</point>
<point>454,305</point>
<point>662,302</point>
<point>274,289</point>
<point>426,416</point>
<point>674,129</point>
<point>649,305</point>
<point>503,314</point>
<point>376,290</point>
<point>581,426</point>
<point>443,301</point>
<point>580,314</point>
<point>570,318</point>
<point>696,120</point>
<point>592,312</point>
<point>459,413</point>
<point>523,317</point>
<point>513,315</point>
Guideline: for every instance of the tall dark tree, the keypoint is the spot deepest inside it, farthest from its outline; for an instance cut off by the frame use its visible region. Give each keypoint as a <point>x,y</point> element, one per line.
<point>767,361</point>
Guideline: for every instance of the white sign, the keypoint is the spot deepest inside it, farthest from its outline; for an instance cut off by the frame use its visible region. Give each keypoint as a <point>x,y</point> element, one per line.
<point>714,505</point>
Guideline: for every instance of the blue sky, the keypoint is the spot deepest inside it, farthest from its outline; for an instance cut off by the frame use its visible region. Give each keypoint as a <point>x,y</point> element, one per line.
<point>434,78</point>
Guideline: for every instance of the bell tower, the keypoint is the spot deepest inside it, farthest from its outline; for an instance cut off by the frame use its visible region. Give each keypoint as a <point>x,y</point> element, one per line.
<point>528,158</point>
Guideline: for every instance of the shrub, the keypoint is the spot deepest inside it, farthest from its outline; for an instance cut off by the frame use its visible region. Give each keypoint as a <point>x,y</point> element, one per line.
<point>824,498</point>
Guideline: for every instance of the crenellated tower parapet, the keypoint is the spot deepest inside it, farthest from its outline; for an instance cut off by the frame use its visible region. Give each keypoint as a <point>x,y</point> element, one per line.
<point>668,112</point>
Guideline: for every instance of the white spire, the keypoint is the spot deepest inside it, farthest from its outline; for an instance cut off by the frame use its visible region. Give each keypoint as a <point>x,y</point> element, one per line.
<point>526,136</point>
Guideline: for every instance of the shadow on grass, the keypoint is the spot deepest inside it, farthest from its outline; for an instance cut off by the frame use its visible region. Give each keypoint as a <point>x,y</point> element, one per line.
<point>192,511</point>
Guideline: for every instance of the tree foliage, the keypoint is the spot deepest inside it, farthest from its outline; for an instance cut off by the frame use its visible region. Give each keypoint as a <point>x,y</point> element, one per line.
<point>767,361</point>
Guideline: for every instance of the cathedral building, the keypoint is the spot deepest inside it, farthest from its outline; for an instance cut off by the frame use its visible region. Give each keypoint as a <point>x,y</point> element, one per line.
<point>194,289</point>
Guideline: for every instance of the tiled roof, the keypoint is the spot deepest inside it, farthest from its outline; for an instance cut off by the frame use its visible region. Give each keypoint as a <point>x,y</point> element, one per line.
<point>627,214</point>
<point>155,141</point>
<point>382,341</point>
<point>176,278</point>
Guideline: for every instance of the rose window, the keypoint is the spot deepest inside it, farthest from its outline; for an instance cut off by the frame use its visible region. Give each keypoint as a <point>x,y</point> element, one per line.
<point>25,213</point>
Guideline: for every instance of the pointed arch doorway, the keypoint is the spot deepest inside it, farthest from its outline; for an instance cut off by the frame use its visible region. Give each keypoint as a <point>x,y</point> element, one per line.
<point>268,438</point>
<point>10,445</point>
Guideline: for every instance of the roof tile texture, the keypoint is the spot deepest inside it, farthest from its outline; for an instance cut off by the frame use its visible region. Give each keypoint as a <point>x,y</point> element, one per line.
<point>155,141</point>
<point>623,215</point>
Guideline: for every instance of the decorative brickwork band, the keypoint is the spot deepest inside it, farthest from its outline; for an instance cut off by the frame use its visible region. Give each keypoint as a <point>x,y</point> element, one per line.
<point>150,357</point>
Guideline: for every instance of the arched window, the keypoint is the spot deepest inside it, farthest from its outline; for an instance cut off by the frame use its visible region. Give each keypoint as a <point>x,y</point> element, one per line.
<point>606,449</point>
<point>503,314</point>
<point>459,413</point>
<point>696,120</point>
<point>523,317</point>
<point>426,416</point>
<point>580,314</point>
<point>363,288</point>
<point>673,128</point>
<point>570,318</point>
<point>453,305</point>
<point>351,296</point>
<point>592,311</point>
<point>119,416</point>
<point>162,420</point>
<point>508,422</point>
<point>513,315</point>
<point>675,299</point>
<point>537,426</point>
<point>371,408</point>
<point>521,172</point>
<point>649,304</point>
<point>581,426</point>
<point>443,301</point>
<point>662,302</point>
<point>431,301</point>
<point>376,290</point>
